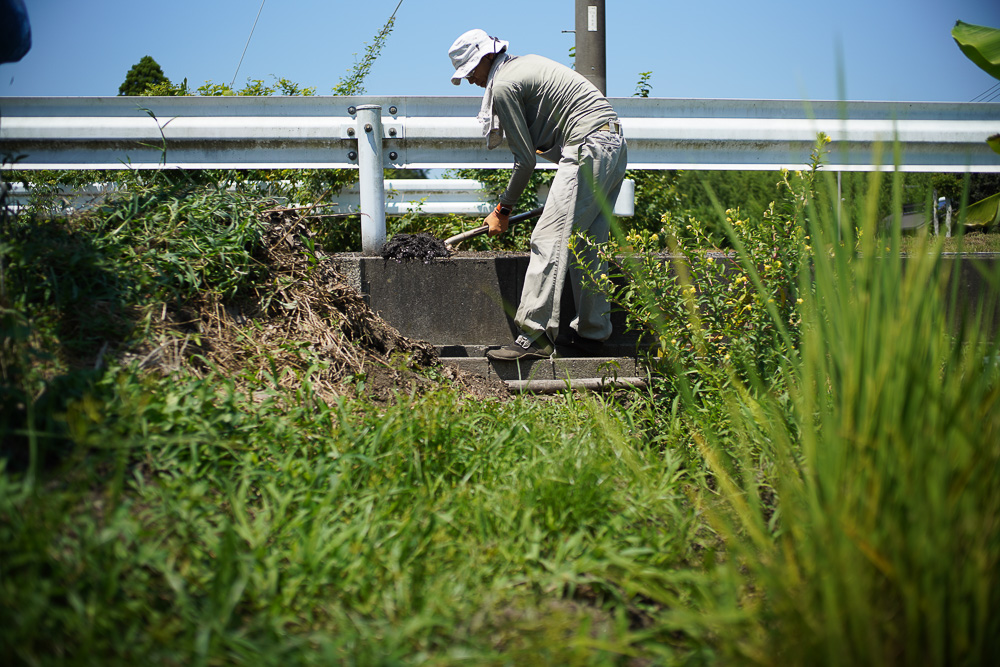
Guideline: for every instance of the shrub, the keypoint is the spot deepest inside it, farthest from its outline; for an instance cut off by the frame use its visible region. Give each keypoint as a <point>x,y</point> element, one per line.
<point>714,315</point>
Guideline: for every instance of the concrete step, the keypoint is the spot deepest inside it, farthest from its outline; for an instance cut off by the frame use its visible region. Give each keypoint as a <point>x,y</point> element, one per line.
<point>552,375</point>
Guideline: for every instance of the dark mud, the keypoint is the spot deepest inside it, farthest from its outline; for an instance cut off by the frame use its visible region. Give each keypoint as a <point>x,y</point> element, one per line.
<point>422,246</point>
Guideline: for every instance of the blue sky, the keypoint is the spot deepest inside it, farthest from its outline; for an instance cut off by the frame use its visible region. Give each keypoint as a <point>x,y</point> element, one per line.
<point>899,50</point>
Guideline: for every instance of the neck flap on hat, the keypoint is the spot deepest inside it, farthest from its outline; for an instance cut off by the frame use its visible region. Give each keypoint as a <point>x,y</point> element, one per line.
<point>489,121</point>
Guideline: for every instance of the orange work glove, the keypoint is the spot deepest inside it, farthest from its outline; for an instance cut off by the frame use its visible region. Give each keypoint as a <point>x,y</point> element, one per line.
<point>498,220</point>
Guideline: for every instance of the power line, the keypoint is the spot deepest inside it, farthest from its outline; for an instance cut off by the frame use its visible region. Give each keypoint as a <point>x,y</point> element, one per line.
<point>993,90</point>
<point>248,43</point>
<point>233,82</point>
<point>982,96</point>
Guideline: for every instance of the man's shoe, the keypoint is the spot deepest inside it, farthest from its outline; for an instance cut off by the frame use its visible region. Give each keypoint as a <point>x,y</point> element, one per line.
<point>522,348</point>
<point>588,347</point>
<point>576,345</point>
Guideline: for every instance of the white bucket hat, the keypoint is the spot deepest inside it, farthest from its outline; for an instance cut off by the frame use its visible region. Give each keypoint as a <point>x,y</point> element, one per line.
<point>469,49</point>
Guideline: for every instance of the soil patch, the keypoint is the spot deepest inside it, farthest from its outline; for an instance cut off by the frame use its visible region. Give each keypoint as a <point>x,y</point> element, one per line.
<point>422,246</point>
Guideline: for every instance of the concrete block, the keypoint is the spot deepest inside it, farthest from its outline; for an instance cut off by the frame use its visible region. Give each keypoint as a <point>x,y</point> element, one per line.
<point>463,300</point>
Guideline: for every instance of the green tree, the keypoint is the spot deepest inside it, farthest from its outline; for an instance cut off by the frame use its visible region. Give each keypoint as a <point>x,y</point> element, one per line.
<point>167,89</point>
<point>143,74</point>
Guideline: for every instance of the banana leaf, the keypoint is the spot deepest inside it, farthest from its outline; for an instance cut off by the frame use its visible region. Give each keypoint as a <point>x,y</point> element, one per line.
<point>984,214</point>
<point>980,44</point>
<point>994,142</point>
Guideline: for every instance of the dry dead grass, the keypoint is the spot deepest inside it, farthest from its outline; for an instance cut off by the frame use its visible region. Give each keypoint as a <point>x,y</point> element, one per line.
<point>305,324</point>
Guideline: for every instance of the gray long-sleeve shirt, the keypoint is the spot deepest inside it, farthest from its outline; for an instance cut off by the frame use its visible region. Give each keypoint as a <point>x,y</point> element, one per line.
<point>543,106</point>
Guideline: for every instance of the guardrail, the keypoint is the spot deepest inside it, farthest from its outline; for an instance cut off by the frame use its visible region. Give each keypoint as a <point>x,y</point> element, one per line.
<point>403,196</point>
<point>374,133</point>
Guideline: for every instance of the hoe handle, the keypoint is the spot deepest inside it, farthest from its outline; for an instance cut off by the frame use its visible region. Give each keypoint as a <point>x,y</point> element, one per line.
<point>479,231</point>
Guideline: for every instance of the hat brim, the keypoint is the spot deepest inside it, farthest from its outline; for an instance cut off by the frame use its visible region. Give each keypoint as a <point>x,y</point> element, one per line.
<point>464,71</point>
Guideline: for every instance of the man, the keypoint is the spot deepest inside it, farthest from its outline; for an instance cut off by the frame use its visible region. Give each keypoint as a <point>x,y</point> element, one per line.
<point>547,109</point>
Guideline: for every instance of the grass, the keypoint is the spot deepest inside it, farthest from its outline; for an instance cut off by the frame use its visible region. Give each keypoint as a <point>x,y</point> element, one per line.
<point>842,508</point>
<point>967,243</point>
<point>883,454</point>
<point>296,530</point>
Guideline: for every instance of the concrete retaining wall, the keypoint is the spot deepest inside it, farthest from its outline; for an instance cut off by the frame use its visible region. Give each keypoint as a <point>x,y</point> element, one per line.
<point>469,300</point>
<point>465,300</point>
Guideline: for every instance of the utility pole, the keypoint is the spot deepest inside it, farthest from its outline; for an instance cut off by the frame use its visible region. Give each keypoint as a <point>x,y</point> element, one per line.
<point>591,53</point>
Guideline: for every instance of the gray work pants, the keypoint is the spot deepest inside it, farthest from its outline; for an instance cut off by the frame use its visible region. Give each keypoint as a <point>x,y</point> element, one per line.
<point>572,205</point>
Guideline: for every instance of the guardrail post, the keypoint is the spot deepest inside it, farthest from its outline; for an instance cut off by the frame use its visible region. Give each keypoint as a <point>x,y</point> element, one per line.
<point>372,187</point>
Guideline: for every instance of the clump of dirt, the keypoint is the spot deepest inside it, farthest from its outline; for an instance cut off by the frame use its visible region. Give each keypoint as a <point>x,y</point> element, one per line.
<point>305,323</point>
<point>420,246</point>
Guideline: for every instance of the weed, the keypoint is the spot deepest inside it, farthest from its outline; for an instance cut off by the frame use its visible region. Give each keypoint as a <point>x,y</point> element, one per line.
<point>851,457</point>
<point>203,470</point>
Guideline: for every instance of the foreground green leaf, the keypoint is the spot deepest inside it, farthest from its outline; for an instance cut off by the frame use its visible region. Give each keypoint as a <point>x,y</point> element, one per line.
<point>984,213</point>
<point>980,44</point>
